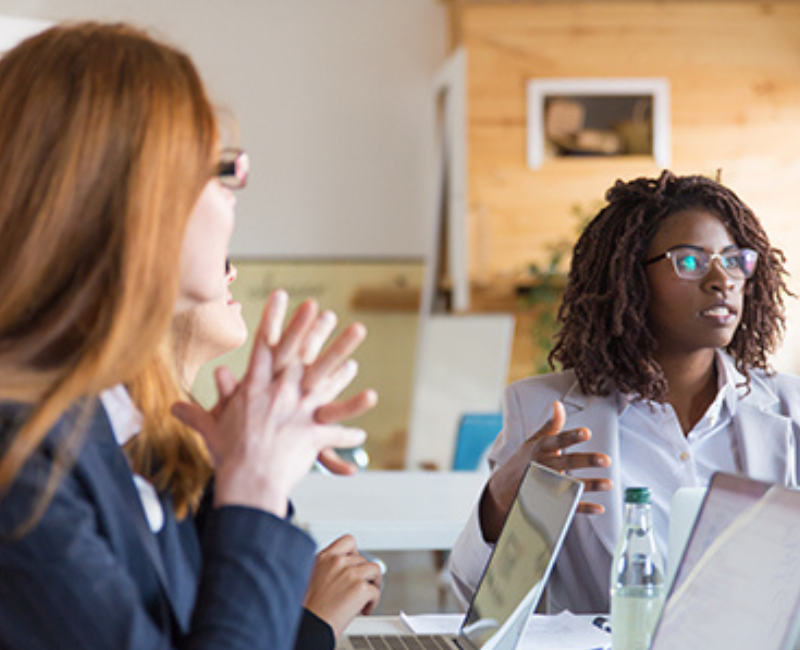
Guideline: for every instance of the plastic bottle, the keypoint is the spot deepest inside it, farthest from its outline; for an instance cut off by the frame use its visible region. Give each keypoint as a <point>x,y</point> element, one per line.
<point>637,577</point>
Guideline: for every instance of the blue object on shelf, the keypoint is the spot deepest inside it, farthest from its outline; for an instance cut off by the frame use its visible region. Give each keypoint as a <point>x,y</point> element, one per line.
<point>476,432</point>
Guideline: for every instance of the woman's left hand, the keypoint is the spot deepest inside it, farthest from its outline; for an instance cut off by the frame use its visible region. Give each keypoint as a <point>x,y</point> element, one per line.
<point>344,584</point>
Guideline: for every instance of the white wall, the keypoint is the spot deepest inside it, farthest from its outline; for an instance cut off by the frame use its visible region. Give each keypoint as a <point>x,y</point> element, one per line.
<point>334,102</point>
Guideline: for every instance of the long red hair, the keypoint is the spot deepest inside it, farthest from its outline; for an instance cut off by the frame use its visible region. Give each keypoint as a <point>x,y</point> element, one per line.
<point>107,138</point>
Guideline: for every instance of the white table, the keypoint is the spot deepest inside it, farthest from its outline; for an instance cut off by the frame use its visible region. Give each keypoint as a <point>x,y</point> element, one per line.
<point>388,511</point>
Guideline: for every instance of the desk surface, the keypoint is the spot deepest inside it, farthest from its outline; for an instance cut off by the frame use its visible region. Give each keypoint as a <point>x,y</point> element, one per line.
<point>388,511</point>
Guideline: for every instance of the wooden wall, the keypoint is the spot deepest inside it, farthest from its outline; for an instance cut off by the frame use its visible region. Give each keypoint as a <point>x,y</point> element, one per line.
<point>734,71</point>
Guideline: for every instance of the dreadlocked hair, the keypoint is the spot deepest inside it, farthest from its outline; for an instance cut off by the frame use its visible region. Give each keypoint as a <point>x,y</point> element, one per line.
<point>603,331</point>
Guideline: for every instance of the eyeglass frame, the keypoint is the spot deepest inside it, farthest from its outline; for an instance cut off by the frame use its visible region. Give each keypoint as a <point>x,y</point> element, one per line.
<point>233,168</point>
<point>711,257</point>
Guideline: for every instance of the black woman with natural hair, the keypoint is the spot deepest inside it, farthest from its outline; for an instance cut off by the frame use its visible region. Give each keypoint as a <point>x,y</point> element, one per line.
<point>673,306</point>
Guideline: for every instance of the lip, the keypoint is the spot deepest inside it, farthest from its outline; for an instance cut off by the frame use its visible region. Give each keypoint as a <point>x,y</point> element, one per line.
<point>721,312</point>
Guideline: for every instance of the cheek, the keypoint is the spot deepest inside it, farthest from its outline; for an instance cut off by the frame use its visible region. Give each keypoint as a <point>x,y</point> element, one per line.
<point>205,249</point>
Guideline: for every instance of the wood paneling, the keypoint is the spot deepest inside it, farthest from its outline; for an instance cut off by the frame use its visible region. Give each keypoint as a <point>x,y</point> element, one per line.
<point>734,71</point>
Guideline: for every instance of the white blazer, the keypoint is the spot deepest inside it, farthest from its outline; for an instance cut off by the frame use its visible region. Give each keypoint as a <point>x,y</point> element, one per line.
<point>767,430</point>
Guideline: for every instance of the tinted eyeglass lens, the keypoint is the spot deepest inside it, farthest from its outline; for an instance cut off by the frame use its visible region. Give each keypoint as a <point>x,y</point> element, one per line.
<point>233,168</point>
<point>689,263</point>
<point>744,261</point>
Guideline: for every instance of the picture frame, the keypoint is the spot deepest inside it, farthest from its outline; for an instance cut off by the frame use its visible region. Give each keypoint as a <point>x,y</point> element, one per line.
<point>598,117</point>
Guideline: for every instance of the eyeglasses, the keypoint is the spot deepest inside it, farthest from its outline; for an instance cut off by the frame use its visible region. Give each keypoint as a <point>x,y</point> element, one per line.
<point>692,263</point>
<point>232,168</point>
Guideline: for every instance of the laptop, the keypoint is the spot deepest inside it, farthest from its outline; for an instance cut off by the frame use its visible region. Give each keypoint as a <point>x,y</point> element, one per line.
<point>515,576</point>
<point>738,582</point>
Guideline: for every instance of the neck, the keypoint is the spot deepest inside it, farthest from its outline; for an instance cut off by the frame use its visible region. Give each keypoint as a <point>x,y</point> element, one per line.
<point>188,374</point>
<point>692,386</point>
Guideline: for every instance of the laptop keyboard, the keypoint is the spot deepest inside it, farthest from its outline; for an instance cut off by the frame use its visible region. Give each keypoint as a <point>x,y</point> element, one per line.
<point>402,642</point>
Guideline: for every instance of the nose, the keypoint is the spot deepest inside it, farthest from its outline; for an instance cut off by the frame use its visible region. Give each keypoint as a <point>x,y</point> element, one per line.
<point>717,279</point>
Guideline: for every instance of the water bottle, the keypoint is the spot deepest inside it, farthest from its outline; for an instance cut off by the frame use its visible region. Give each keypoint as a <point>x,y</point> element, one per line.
<point>637,577</point>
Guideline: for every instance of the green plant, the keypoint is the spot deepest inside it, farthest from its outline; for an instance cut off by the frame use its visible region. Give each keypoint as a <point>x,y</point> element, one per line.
<point>545,287</point>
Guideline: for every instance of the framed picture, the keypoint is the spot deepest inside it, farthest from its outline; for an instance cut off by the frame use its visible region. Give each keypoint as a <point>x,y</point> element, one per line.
<point>575,117</point>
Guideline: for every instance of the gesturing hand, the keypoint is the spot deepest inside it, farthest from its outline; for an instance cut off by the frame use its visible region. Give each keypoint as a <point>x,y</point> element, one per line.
<point>267,429</point>
<point>303,340</point>
<point>344,584</point>
<point>546,447</point>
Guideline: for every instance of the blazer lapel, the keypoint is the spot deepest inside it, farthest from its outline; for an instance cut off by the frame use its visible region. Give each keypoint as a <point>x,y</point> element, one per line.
<point>106,466</point>
<point>600,416</point>
<point>765,444</point>
<point>105,469</point>
<point>180,566</point>
<point>763,437</point>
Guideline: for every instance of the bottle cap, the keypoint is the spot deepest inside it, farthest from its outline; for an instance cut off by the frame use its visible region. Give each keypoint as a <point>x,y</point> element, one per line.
<point>637,495</point>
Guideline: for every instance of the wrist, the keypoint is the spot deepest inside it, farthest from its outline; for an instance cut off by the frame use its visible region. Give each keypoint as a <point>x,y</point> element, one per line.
<point>250,492</point>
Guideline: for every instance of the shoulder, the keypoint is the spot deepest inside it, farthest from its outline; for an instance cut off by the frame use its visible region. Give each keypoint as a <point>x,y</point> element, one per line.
<point>528,403</point>
<point>545,386</point>
<point>783,386</point>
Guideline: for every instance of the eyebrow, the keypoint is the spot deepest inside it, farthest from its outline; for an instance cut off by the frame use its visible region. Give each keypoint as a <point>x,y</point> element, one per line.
<point>702,248</point>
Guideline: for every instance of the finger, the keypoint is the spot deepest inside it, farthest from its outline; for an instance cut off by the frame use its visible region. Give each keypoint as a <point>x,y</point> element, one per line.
<point>597,485</point>
<point>287,349</point>
<point>342,437</point>
<point>273,317</point>
<point>285,394</point>
<point>577,461</point>
<point>320,331</point>
<point>590,508</point>
<point>335,464</point>
<point>555,444</point>
<point>260,368</point>
<point>344,545</point>
<point>225,381</point>
<point>333,412</point>
<point>372,604</point>
<point>550,428</point>
<point>341,349</point>
<point>373,573</point>
<point>555,423</point>
<point>327,389</point>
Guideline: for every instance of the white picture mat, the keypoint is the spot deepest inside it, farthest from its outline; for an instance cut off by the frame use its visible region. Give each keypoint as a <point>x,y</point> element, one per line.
<point>540,89</point>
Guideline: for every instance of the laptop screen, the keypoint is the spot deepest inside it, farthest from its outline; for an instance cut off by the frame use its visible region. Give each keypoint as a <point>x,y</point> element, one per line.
<point>516,574</point>
<point>737,585</point>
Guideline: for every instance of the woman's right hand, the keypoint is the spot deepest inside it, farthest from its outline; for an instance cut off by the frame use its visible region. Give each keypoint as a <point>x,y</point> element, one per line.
<point>545,447</point>
<point>267,429</point>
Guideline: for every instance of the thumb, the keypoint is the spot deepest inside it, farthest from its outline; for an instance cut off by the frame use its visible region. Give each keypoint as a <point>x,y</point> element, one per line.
<point>554,425</point>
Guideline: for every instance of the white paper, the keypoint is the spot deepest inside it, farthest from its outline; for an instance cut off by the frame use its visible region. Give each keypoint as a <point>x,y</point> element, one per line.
<point>564,631</point>
<point>744,591</point>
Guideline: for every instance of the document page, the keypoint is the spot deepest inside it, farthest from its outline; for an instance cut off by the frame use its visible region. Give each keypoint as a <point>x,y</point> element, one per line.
<point>564,631</point>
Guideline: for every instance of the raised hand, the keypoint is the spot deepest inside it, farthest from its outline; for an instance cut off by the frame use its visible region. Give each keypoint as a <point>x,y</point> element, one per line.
<point>304,339</point>
<point>267,429</point>
<point>344,584</point>
<point>546,447</point>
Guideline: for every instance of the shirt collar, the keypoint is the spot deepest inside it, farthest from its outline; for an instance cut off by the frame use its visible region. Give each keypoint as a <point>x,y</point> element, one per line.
<point>726,390</point>
<point>126,420</point>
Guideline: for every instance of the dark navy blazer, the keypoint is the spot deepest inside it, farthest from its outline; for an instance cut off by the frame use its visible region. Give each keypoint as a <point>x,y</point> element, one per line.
<point>91,574</point>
